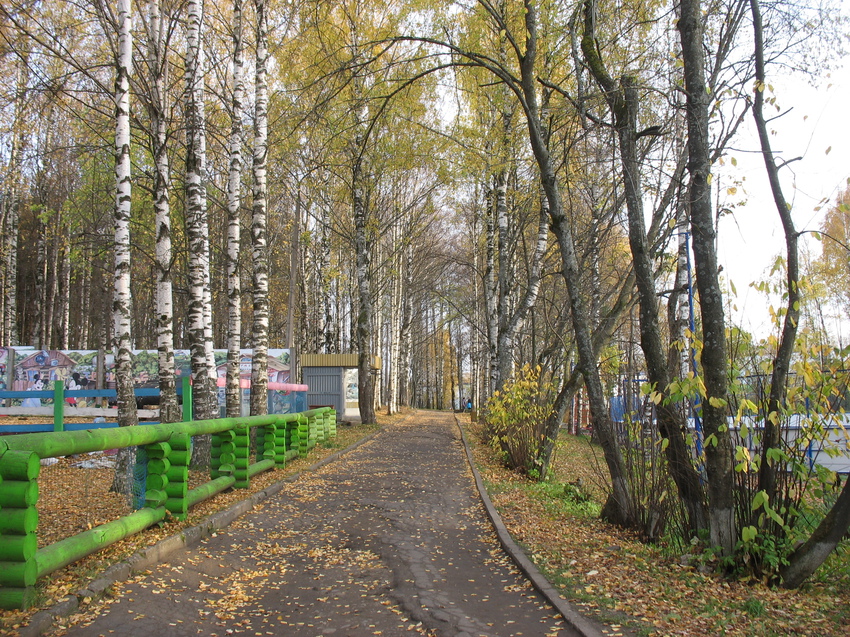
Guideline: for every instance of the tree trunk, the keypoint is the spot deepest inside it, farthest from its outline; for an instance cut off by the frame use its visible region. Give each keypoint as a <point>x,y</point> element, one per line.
<point>169,410</point>
<point>260,326</point>
<point>197,229</point>
<point>772,436</point>
<point>619,509</point>
<point>122,315</point>
<point>405,333</point>
<point>65,294</point>
<point>294,274</point>
<point>718,447</point>
<point>833,528</point>
<point>623,102</point>
<point>395,320</point>
<point>491,297</point>
<point>233,391</point>
<point>364,289</point>
<point>11,229</point>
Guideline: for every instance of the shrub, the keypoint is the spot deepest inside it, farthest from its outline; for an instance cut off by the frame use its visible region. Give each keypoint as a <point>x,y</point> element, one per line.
<point>515,420</point>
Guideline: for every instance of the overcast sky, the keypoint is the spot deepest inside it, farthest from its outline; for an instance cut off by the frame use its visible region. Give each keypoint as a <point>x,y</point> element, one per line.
<point>752,237</point>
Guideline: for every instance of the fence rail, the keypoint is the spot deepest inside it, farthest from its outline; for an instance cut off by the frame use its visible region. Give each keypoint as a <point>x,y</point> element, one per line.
<point>281,437</point>
<point>60,409</point>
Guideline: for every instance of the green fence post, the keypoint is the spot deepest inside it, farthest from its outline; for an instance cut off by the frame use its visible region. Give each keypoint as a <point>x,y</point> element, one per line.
<point>313,431</point>
<point>178,475</point>
<point>242,451</point>
<point>291,439</point>
<point>58,405</point>
<point>18,526</point>
<point>332,423</point>
<point>227,453</point>
<point>320,428</point>
<point>215,456</point>
<point>326,424</point>
<point>269,433</point>
<point>157,478</point>
<point>187,399</point>
<point>281,431</point>
<point>303,436</point>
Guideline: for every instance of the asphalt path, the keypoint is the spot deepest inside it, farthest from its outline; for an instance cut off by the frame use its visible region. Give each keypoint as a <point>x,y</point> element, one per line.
<point>390,539</point>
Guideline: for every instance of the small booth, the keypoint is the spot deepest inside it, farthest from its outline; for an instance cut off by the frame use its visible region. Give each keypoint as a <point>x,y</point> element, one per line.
<point>332,382</point>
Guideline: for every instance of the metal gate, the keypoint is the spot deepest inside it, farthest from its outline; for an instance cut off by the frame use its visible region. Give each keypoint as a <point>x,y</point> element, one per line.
<point>325,387</point>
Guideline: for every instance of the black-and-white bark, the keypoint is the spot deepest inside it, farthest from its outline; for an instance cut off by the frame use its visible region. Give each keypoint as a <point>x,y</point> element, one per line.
<point>362,251</point>
<point>259,256</point>
<point>12,204</point>
<point>169,411</point>
<point>233,393</point>
<point>197,229</point>
<point>122,312</point>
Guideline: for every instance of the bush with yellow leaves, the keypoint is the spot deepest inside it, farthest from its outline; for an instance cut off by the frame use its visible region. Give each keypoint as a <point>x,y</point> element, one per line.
<point>515,419</point>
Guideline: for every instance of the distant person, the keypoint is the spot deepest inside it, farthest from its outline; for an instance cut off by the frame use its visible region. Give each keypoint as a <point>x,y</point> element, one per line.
<point>469,404</point>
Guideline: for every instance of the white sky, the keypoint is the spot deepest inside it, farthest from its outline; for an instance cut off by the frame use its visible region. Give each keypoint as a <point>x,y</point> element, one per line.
<point>751,239</point>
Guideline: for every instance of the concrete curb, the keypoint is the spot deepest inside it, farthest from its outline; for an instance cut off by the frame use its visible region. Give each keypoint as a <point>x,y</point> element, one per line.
<point>584,626</point>
<point>42,621</point>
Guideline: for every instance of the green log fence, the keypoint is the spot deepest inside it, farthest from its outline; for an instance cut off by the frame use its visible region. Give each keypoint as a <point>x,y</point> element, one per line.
<point>281,438</point>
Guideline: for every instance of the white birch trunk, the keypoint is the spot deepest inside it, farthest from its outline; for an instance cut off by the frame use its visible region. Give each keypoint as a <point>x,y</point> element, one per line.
<point>233,393</point>
<point>396,292</point>
<point>364,289</point>
<point>405,333</point>
<point>491,300</point>
<point>294,261</point>
<point>196,215</point>
<point>260,327</point>
<point>501,354</point>
<point>168,408</point>
<point>65,295</point>
<point>123,340</point>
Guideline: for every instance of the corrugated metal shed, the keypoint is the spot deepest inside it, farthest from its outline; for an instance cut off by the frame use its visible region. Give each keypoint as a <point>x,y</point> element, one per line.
<point>325,387</point>
<point>335,360</point>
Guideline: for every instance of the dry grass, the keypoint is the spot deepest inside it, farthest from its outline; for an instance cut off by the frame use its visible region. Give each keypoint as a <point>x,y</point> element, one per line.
<point>610,573</point>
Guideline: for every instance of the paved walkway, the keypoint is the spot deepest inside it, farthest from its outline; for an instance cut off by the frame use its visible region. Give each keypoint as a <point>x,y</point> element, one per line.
<point>391,539</point>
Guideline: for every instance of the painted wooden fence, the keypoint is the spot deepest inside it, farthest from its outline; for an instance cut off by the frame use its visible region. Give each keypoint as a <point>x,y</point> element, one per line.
<point>168,447</point>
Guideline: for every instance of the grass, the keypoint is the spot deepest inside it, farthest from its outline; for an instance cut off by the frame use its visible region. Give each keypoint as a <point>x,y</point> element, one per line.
<point>609,573</point>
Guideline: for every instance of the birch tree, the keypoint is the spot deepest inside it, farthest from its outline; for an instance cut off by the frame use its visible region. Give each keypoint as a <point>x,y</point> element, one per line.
<point>197,228</point>
<point>127,415</point>
<point>233,392</point>
<point>12,202</point>
<point>260,326</point>
<point>157,49</point>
